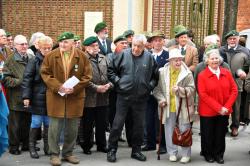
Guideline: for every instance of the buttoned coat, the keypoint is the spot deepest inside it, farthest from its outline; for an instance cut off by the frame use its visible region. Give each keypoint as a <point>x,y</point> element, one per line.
<point>52,72</point>
<point>191,58</point>
<point>185,81</point>
<point>99,70</point>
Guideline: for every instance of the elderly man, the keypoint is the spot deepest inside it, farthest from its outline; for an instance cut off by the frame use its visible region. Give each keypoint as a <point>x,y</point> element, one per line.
<point>135,74</point>
<point>101,29</point>
<point>4,51</point>
<point>161,56</point>
<point>19,119</point>
<point>237,58</point>
<point>65,111</point>
<point>96,103</point>
<point>190,53</point>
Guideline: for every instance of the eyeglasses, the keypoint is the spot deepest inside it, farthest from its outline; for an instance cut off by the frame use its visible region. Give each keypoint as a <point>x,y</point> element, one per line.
<point>22,44</point>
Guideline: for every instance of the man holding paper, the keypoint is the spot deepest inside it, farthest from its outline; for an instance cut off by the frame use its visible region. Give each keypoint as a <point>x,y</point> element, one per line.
<point>64,100</point>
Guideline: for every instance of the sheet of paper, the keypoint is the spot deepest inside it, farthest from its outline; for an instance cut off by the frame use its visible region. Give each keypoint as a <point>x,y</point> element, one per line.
<point>70,83</point>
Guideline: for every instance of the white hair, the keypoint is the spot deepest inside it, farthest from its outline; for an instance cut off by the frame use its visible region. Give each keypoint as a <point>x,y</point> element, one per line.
<point>140,38</point>
<point>45,40</point>
<point>20,39</point>
<point>2,32</point>
<point>211,39</point>
<point>35,37</point>
<point>213,51</point>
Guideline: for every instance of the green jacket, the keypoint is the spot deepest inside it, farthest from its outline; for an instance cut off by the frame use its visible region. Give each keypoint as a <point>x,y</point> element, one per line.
<point>13,77</point>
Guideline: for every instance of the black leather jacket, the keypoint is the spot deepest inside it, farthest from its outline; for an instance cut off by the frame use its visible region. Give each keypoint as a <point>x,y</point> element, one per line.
<point>134,77</point>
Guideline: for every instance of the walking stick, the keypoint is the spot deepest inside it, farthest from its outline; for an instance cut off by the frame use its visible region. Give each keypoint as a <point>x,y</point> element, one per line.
<point>158,152</point>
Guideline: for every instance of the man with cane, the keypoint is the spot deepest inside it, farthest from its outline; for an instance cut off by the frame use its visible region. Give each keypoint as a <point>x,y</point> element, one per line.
<point>58,66</point>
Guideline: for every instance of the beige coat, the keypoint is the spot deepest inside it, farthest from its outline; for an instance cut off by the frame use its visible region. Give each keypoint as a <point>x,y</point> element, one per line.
<point>52,73</point>
<point>162,92</point>
<point>191,58</point>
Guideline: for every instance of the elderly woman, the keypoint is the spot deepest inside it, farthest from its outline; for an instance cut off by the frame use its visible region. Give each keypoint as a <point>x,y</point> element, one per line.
<point>217,93</point>
<point>175,78</point>
<point>34,95</point>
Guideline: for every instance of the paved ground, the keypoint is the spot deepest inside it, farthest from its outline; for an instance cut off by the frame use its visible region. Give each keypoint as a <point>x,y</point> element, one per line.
<point>236,155</point>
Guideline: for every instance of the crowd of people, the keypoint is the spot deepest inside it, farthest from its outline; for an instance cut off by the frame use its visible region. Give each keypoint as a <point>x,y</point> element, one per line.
<point>72,92</point>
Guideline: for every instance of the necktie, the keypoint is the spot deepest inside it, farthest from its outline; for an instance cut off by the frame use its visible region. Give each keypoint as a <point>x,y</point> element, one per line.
<point>183,52</point>
<point>104,46</point>
<point>25,59</point>
<point>158,59</point>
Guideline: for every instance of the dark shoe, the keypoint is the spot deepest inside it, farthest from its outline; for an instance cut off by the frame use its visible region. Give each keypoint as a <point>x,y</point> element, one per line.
<point>15,151</point>
<point>209,159</point>
<point>32,143</point>
<point>104,150</point>
<point>147,148</point>
<point>234,132</point>
<point>111,156</point>
<point>138,156</point>
<point>25,148</point>
<point>219,160</point>
<point>87,151</point>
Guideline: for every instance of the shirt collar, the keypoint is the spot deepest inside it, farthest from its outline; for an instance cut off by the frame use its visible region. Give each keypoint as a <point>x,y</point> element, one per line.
<point>185,47</point>
<point>231,47</point>
<point>158,53</point>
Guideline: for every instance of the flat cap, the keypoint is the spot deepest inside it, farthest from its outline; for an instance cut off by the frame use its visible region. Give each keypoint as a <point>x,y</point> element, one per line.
<point>231,33</point>
<point>65,36</point>
<point>100,26</point>
<point>90,40</point>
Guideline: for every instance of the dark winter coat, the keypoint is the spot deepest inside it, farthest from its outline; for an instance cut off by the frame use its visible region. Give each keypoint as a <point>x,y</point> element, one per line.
<point>33,86</point>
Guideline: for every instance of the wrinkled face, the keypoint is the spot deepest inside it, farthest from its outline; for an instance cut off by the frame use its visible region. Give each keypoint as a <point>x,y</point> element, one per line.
<point>233,41</point>
<point>66,45</point>
<point>137,48</point>
<point>93,49</point>
<point>213,61</point>
<point>45,48</point>
<point>175,63</point>
<point>123,44</point>
<point>21,46</point>
<point>3,39</point>
<point>182,40</point>
<point>157,43</point>
<point>10,41</point>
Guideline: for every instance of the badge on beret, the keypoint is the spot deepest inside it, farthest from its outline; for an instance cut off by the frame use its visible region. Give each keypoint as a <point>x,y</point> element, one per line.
<point>76,68</point>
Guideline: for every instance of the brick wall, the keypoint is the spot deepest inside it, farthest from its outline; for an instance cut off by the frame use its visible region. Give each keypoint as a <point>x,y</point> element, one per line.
<point>243,21</point>
<point>162,14</point>
<point>0,13</point>
<point>52,17</point>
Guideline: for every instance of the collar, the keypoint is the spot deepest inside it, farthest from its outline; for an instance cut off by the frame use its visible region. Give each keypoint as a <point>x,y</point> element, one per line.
<point>185,47</point>
<point>101,40</point>
<point>214,71</point>
<point>158,53</point>
<point>231,47</point>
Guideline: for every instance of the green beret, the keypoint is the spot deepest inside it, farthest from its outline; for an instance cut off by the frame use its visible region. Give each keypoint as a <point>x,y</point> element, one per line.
<point>100,26</point>
<point>76,38</point>
<point>156,33</point>
<point>231,33</point>
<point>65,36</point>
<point>128,32</point>
<point>8,34</point>
<point>180,30</point>
<point>211,47</point>
<point>119,38</point>
<point>90,40</point>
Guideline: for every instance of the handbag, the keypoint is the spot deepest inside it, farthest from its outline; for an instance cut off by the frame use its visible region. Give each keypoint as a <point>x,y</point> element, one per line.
<point>183,139</point>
